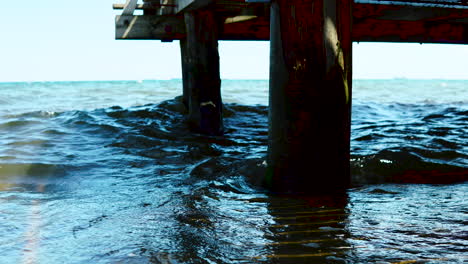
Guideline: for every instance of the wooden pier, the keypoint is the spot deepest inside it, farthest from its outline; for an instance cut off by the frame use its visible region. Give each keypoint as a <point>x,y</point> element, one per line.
<point>310,67</point>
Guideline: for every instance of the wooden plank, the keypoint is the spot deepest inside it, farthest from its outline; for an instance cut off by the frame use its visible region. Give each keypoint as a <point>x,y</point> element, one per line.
<point>122,6</point>
<point>144,6</point>
<point>187,5</point>
<point>369,30</point>
<point>172,27</point>
<point>254,29</point>
<point>373,30</point>
<point>408,13</point>
<point>398,23</point>
<point>432,3</point>
<point>373,23</point>
<point>150,27</point>
<point>129,7</point>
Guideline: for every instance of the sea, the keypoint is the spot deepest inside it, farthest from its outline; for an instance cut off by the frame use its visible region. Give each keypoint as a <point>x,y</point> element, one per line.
<point>107,172</point>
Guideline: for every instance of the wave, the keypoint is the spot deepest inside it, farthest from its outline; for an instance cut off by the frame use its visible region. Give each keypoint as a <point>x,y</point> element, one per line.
<point>390,142</point>
<point>402,166</point>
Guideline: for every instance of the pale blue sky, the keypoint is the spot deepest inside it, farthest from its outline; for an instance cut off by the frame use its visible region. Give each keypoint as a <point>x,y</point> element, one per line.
<point>54,40</point>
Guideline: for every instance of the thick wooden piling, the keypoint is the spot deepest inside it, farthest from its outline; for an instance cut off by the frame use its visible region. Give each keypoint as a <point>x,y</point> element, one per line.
<point>310,96</point>
<point>201,77</point>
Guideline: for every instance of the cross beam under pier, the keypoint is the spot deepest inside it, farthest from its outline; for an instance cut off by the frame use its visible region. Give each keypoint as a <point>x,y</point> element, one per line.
<point>371,23</point>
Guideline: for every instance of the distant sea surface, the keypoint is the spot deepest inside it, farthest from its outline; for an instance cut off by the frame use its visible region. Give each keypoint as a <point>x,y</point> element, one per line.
<point>106,172</point>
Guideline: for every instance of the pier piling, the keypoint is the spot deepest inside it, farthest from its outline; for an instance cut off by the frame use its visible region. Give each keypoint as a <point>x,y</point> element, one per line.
<point>310,68</point>
<point>201,77</point>
<point>310,96</point>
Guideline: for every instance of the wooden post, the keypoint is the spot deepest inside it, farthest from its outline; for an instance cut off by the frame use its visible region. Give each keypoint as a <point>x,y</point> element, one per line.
<point>310,96</point>
<point>185,74</point>
<point>202,83</point>
<point>153,11</point>
<point>167,8</point>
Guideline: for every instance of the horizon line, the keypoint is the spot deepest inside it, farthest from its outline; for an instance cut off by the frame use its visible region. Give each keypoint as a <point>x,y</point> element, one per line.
<point>226,79</point>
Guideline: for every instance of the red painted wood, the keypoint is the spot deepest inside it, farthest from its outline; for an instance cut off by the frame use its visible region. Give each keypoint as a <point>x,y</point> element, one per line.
<point>255,29</point>
<point>410,31</point>
<point>370,26</point>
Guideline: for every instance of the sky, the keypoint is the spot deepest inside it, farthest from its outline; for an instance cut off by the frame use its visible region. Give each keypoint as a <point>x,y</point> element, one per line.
<point>57,40</point>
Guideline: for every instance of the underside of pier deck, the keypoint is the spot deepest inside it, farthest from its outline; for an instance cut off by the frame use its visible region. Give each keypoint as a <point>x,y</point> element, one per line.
<point>238,20</point>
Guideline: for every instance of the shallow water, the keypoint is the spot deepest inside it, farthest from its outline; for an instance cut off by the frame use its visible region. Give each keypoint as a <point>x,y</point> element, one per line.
<point>106,172</point>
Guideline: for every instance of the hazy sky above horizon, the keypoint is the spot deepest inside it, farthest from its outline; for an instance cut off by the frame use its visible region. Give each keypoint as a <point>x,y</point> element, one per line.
<point>58,40</point>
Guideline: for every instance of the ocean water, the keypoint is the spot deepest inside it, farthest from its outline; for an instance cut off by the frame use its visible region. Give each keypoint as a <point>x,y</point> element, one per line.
<point>106,172</point>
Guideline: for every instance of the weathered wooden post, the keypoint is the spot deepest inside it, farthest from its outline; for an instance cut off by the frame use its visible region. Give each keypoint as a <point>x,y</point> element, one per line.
<point>201,77</point>
<point>185,74</point>
<point>310,96</point>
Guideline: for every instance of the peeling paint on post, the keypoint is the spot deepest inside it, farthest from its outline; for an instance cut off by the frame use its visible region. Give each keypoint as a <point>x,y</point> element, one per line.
<point>310,96</point>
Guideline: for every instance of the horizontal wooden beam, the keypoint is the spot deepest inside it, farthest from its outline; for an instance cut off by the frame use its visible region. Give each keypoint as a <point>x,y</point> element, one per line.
<point>433,3</point>
<point>143,6</point>
<point>372,23</point>
<point>373,30</point>
<point>399,23</point>
<point>173,27</point>
<point>409,13</point>
<point>253,29</point>
<point>187,5</point>
<point>150,27</point>
<point>129,7</point>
